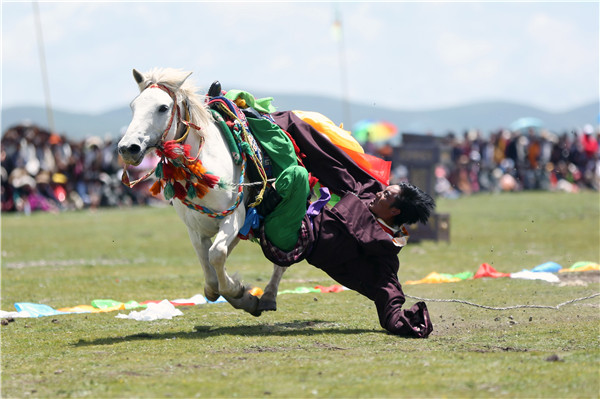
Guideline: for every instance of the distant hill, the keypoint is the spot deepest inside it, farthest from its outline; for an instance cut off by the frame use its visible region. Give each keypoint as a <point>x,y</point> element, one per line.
<point>486,116</point>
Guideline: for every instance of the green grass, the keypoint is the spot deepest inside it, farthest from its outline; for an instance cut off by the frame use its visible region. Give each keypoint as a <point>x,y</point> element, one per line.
<point>315,345</point>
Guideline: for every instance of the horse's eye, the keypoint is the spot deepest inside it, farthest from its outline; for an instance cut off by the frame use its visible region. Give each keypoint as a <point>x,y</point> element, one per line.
<point>163,108</point>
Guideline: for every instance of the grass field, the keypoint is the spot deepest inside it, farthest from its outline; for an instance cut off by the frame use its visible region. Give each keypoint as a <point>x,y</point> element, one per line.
<point>315,345</point>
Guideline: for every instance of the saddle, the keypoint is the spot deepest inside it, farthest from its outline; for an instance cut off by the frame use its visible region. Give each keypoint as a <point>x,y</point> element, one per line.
<point>237,122</point>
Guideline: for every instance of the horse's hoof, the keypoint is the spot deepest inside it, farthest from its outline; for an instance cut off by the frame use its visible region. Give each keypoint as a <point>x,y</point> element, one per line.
<point>210,295</point>
<point>266,305</point>
<point>246,302</point>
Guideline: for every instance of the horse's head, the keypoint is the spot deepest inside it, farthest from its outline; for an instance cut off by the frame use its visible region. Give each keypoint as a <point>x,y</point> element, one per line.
<point>153,115</point>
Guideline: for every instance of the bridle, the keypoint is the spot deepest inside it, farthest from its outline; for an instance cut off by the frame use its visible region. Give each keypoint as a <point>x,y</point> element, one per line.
<point>175,111</point>
<point>161,144</point>
<point>172,151</point>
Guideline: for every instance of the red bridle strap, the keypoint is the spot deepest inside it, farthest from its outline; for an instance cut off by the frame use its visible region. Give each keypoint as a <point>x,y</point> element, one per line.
<point>173,110</point>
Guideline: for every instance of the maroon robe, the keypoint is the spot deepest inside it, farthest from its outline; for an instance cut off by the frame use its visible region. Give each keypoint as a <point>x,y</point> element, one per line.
<point>347,241</point>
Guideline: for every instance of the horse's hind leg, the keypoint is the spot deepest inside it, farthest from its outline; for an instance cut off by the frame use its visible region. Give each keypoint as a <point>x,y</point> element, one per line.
<point>268,301</point>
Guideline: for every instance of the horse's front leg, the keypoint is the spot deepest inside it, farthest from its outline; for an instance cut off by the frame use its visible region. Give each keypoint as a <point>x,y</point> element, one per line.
<point>225,240</point>
<point>268,300</point>
<point>231,288</point>
<point>202,245</point>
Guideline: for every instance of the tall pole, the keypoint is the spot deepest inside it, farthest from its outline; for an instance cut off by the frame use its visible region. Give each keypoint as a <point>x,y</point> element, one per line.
<point>44,69</point>
<point>339,31</point>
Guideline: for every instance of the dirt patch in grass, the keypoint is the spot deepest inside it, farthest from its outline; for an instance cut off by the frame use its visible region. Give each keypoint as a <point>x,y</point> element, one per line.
<point>582,279</point>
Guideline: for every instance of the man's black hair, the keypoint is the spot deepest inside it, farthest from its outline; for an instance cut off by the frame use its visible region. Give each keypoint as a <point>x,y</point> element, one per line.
<point>415,205</point>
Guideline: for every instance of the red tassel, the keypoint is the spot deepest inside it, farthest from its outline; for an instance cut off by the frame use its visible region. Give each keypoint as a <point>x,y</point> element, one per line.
<point>210,180</point>
<point>180,191</point>
<point>173,150</point>
<point>186,150</point>
<point>168,171</point>
<point>312,180</point>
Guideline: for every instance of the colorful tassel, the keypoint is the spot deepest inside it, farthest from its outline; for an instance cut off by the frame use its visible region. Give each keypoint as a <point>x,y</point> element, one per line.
<point>169,191</point>
<point>168,171</point>
<point>159,171</point>
<point>180,174</point>
<point>191,192</point>
<point>179,191</point>
<point>176,166</point>
<point>156,187</point>
<point>210,180</point>
<point>201,190</point>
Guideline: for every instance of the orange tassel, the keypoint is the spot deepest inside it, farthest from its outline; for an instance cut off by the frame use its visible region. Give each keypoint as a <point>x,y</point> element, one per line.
<point>156,187</point>
<point>201,190</point>
<point>179,174</point>
<point>197,168</point>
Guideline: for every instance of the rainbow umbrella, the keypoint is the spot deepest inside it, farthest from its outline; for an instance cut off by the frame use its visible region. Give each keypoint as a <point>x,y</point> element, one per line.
<point>368,130</point>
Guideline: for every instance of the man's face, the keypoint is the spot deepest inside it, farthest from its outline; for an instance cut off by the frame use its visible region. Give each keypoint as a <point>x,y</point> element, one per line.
<point>382,207</point>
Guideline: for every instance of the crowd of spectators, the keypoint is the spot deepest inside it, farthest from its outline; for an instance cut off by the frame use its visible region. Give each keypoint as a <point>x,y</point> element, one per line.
<point>532,159</point>
<point>45,171</point>
<point>41,170</point>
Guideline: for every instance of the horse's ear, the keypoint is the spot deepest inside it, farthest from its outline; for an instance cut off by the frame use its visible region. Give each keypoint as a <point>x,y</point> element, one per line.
<point>183,80</point>
<point>139,79</point>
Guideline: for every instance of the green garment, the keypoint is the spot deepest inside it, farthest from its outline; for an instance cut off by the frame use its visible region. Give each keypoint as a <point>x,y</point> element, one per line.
<point>275,142</point>
<point>260,104</point>
<point>283,224</point>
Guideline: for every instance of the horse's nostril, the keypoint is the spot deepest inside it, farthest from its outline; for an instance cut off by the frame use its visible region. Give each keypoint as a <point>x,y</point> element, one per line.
<point>134,149</point>
<point>130,149</point>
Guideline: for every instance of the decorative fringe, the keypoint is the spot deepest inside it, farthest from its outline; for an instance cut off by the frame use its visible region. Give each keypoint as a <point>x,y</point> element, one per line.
<point>177,166</point>
<point>210,180</point>
<point>158,172</point>
<point>200,189</point>
<point>169,191</point>
<point>156,187</point>
<point>180,191</point>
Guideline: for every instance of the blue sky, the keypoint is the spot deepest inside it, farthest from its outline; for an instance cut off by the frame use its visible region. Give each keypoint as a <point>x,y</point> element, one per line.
<point>403,55</point>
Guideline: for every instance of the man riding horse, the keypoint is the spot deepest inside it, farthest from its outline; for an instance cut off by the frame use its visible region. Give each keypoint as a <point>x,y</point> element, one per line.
<point>357,241</point>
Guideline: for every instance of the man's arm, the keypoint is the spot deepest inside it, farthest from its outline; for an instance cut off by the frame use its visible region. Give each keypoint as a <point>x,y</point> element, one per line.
<point>324,160</point>
<point>413,322</point>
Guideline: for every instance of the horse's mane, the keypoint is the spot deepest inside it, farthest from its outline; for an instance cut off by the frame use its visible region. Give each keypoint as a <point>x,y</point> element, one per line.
<point>170,78</point>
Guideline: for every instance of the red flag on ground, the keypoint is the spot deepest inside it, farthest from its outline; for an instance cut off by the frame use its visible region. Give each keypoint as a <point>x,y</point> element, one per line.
<point>486,270</point>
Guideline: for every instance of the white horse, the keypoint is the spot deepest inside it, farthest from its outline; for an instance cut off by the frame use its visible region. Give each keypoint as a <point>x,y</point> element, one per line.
<point>159,114</point>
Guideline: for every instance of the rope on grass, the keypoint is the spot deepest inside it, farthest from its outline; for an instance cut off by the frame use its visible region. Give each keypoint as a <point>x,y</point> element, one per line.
<point>507,307</point>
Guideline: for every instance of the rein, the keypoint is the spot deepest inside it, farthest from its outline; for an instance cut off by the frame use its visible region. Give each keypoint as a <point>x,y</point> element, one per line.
<point>177,164</point>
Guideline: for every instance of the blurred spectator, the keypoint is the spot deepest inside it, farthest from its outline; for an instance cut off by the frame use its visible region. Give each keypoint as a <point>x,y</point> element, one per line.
<point>521,160</point>
<point>43,171</point>
<point>48,172</point>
